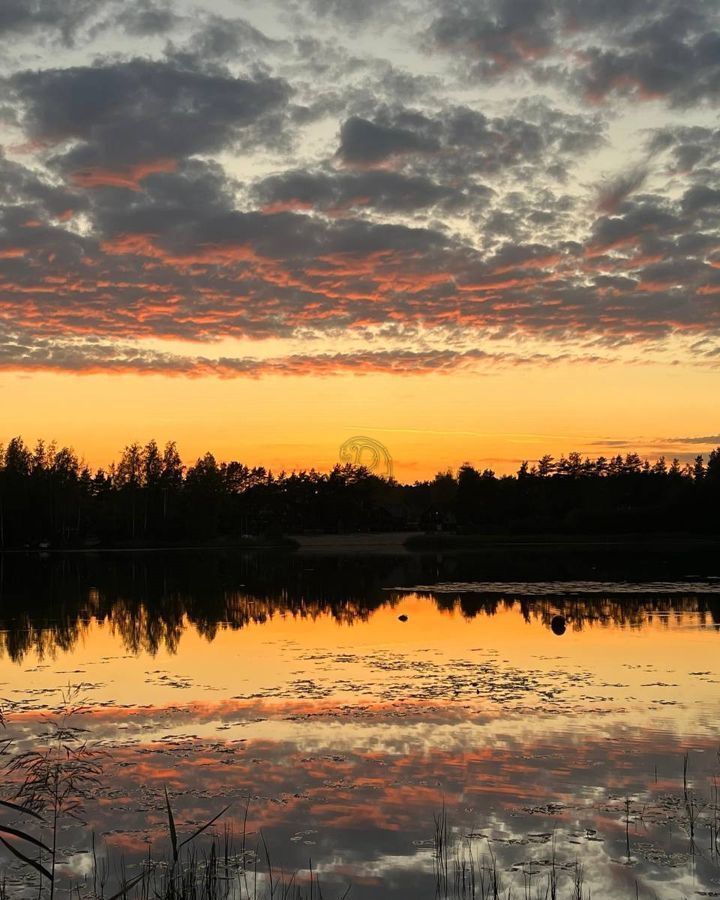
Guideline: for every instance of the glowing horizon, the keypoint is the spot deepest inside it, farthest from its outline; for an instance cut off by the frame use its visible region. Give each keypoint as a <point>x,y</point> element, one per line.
<point>441,425</point>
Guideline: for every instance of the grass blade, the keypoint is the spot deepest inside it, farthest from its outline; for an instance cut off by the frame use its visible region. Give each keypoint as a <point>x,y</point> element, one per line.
<point>22,809</point>
<point>127,886</point>
<point>205,826</point>
<point>24,836</point>
<point>171,823</point>
<point>26,859</point>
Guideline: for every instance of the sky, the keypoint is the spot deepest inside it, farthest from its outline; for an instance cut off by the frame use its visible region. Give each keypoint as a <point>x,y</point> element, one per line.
<point>472,230</point>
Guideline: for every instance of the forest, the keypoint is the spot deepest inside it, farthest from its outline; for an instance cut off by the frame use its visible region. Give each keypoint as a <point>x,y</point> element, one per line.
<point>150,497</point>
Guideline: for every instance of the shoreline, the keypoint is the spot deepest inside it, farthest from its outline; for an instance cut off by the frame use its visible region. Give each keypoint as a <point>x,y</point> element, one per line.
<point>401,543</point>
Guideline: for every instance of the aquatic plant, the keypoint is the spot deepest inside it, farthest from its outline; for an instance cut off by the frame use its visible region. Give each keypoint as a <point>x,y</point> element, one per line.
<point>51,782</point>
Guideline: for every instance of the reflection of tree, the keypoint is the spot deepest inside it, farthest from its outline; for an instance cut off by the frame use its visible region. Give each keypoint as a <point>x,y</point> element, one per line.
<point>149,600</point>
<point>581,612</point>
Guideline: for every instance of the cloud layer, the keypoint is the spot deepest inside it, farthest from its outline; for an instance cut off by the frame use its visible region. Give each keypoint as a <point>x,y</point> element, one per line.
<point>170,174</point>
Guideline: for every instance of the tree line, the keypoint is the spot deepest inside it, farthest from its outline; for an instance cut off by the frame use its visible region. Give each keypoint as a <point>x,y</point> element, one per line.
<point>49,496</point>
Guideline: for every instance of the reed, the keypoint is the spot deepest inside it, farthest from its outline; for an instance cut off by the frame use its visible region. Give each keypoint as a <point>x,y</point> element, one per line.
<point>50,785</point>
<point>479,877</point>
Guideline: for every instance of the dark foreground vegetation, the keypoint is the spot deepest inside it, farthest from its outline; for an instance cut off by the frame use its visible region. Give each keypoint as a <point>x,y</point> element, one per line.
<point>150,497</point>
<point>46,790</point>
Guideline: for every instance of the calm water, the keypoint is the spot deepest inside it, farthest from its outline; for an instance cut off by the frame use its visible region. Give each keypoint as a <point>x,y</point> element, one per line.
<point>293,681</point>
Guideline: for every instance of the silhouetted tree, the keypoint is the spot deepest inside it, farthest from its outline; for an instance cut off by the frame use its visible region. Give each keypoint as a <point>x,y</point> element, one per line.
<point>48,494</point>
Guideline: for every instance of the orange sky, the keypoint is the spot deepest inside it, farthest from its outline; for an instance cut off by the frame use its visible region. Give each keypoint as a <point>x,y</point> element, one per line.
<point>428,422</point>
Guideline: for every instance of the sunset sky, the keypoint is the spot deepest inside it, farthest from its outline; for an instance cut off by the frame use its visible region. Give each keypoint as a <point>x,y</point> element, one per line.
<point>472,230</point>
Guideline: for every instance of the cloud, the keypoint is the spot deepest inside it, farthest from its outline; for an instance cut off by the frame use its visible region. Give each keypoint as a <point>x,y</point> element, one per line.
<point>287,182</point>
<point>370,13</point>
<point>175,257</point>
<point>99,118</point>
<point>221,40</point>
<point>497,36</point>
<point>713,439</point>
<point>142,18</point>
<point>364,143</point>
<point>59,20</point>
<point>643,49</point>
<point>336,193</point>
<point>459,139</point>
<point>44,198</point>
<point>613,193</point>
<point>22,351</point>
<point>695,150</point>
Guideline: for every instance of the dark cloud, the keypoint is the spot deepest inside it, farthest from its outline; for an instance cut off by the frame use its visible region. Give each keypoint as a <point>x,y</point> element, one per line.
<point>176,256</point>
<point>699,198</point>
<point>225,40</point>
<point>142,111</point>
<point>364,143</point>
<point>28,353</point>
<point>70,22</point>
<point>60,20</point>
<point>640,221</point>
<point>375,13</point>
<point>201,269</point>
<point>143,18</point>
<point>458,139</point>
<point>21,187</point>
<point>707,439</point>
<point>695,151</point>
<point>334,192</point>
<point>683,72</point>
<point>184,251</point>
<point>498,36</point>
<point>643,49</point>
<point>613,193</point>
<point>525,216</point>
<point>402,212</point>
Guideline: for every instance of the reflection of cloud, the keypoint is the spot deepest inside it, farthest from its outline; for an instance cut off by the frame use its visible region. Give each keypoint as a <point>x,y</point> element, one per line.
<point>361,742</point>
<point>518,793</point>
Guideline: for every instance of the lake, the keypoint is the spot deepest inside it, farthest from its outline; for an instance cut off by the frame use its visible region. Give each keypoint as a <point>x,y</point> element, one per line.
<point>553,713</point>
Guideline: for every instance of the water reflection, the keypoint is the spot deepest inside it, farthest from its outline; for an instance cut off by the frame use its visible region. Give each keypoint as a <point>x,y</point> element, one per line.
<point>350,699</point>
<point>149,599</point>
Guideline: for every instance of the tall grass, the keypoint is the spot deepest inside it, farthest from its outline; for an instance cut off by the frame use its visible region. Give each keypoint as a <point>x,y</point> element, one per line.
<point>51,782</point>
<point>226,868</point>
<point>467,869</point>
<point>462,874</point>
<point>221,871</point>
